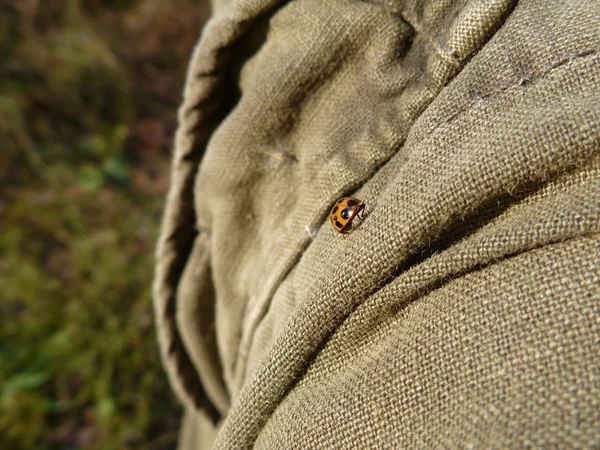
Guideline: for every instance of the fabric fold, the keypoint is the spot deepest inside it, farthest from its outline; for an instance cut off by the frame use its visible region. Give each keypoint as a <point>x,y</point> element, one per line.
<point>207,98</point>
<point>470,130</point>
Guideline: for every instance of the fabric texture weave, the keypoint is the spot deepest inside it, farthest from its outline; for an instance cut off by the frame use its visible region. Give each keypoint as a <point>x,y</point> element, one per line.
<point>464,312</point>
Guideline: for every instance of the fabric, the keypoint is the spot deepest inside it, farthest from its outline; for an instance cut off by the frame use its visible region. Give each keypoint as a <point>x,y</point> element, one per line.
<point>464,312</point>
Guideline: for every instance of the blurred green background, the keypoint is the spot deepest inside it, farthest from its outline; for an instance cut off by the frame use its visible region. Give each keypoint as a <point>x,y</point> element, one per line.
<point>88,97</point>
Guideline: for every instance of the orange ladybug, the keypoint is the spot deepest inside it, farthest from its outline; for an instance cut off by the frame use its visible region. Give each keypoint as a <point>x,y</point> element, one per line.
<point>344,211</point>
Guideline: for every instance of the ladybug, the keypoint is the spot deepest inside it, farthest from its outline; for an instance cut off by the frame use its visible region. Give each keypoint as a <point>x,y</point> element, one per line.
<point>344,211</point>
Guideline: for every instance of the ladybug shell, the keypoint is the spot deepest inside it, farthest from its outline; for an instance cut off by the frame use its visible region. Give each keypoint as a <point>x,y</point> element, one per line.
<point>342,213</point>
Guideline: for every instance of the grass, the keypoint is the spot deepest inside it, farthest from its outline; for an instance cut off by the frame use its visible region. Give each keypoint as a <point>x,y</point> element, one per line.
<point>88,94</point>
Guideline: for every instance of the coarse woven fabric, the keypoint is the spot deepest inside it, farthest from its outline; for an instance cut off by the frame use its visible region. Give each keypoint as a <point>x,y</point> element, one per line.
<point>464,312</point>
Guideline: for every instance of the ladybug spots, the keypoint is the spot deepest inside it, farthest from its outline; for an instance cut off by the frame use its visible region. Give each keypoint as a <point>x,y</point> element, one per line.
<point>343,212</point>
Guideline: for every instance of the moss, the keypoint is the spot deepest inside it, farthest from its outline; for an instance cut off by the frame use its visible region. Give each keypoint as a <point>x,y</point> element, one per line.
<point>86,116</point>
<point>80,342</point>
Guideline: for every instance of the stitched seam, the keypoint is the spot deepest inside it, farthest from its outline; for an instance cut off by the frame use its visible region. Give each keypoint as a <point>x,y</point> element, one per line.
<point>521,82</point>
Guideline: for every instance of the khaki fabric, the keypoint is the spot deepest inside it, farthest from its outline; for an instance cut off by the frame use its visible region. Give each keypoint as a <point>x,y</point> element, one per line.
<point>464,312</point>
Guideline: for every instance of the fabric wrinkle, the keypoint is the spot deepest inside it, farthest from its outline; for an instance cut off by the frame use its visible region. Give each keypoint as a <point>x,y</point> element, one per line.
<point>469,128</point>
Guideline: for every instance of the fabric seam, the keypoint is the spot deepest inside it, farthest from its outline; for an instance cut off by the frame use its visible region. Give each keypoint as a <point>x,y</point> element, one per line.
<point>521,82</point>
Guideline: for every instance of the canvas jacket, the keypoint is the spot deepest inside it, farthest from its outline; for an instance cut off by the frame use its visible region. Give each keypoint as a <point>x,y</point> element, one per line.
<point>464,311</point>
